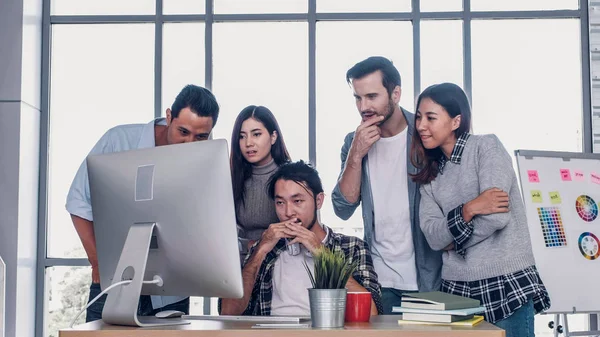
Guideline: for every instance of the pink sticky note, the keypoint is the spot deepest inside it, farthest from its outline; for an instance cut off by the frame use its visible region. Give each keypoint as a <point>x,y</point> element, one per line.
<point>596,178</point>
<point>565,174</point>
<point>533,176</point>
<point>579,175</point>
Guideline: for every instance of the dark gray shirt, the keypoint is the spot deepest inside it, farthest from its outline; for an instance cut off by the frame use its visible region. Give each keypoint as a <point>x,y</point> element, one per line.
<point>258,210</point>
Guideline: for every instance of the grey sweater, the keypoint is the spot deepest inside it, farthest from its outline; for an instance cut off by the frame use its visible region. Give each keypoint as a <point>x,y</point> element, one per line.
<point>258,211</point>
<point>500,242</point>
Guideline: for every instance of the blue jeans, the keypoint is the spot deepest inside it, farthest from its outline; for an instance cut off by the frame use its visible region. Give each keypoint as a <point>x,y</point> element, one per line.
<point>94,311</point>
<point>520,323</point>
<point>391,297</point>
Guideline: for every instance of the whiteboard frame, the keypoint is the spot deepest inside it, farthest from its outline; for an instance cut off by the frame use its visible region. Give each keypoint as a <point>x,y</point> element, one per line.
<point>555,154</point>
<point>566,156</point>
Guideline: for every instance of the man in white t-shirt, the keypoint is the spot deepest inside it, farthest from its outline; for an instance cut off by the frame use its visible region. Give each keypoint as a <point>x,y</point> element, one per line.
<point>376,170</point>
<point>275,280</point>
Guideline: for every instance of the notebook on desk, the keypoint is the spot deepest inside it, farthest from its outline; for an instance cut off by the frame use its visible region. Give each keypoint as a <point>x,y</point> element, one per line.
<point>468,323</point>
<point>437,300</point>
<point>272,319</point>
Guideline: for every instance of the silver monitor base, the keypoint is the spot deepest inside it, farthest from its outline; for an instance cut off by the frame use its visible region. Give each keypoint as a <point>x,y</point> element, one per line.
<point>122,302</point>
<point>154,321</point>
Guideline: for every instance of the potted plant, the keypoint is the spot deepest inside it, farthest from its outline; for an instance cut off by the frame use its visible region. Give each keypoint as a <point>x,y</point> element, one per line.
<point>327,297</point>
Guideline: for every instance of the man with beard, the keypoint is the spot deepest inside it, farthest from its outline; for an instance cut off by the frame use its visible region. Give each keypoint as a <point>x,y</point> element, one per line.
<point>275,280</point>
<point>376,171</point>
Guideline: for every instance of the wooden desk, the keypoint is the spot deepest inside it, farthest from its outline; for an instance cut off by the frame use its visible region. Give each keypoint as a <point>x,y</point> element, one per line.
<point>380,326</point>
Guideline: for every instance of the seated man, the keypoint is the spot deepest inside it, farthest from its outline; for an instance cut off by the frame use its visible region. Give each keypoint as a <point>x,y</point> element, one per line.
<point>191,118</point>
<point>275,280</point>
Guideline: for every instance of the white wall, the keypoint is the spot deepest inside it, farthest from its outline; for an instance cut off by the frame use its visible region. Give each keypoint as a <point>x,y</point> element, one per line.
<point>20,78</point>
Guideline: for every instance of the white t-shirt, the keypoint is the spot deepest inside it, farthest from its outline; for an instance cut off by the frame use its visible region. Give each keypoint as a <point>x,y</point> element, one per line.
<point>393,248</point>
<point>291,283</point>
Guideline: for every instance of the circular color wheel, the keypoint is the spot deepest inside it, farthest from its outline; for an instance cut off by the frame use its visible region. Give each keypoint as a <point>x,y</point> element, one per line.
<point>588,245</point>
<point>586,208</point>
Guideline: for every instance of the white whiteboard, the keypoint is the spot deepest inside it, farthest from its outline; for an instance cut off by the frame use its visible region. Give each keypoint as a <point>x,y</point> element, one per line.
<point>562,190</point>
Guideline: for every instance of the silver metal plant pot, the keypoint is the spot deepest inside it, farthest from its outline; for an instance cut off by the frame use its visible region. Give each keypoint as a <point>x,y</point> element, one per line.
<point>327,307</point>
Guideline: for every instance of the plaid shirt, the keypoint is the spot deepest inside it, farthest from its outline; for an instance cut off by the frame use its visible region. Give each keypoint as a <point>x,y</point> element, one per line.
<point>457,151</point>
<point>501,295</point>
<point>352,247</point>
<point>459,228</point>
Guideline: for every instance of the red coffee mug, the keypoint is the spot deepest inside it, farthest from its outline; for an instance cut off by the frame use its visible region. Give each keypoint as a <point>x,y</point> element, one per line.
<point>358,306</point>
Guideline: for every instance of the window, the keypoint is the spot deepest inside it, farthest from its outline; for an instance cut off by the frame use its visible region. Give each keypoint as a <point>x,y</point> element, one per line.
<point>510,88</point>
<point>336,6</point>
<point>102,76</point>
<point>260,6</point>
<point>517,5</point>
<point>105,7</point>
<point>441,52</point>
<point>67,292</point>
<point>184,6</point>
<point>183,59</point>
<point>263,64</point>
<point>441,5</point>
<point>340,45</point>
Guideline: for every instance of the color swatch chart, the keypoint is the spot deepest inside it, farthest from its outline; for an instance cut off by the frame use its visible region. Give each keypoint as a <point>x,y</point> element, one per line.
<point>586,208</point>
<point>552,226</point>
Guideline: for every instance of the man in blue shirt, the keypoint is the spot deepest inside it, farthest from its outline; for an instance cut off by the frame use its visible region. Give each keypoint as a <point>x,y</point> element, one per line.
<point>191,118</point>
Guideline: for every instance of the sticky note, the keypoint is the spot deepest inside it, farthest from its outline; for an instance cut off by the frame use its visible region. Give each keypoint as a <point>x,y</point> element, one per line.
<point>533,176</point>
<point>579,175</point>
<point>536,196</point>
<point>595,178</point>
<point>565,174</point>
<point>555,198</point>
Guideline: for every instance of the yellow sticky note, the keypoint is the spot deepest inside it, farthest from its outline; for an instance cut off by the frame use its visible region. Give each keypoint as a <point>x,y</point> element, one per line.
<point>555,198</point>
<point>536,196</point>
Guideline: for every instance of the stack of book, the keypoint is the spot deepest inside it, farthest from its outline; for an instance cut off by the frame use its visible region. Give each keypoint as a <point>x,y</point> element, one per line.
<point>439,308</point>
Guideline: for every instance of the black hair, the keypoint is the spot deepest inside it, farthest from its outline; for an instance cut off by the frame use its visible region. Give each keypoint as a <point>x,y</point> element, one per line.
<point>454,100</point>
<point>241,169</point>
<point>299,172</point>
<point>390,75</point>
<point>200,100</point>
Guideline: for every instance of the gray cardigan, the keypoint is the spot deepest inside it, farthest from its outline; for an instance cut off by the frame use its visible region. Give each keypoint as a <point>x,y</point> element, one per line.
<point>500,242</point>
<point>428,261</point>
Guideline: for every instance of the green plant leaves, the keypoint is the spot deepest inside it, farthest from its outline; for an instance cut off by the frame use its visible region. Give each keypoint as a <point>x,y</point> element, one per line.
<point>331,269</point>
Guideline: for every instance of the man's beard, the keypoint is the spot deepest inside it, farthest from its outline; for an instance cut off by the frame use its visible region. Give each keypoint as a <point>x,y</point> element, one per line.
<point>390,111</point>
<point>314,220</point>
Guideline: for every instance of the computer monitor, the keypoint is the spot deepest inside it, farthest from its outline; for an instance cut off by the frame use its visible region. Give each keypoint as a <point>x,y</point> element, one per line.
<point>165,211</point>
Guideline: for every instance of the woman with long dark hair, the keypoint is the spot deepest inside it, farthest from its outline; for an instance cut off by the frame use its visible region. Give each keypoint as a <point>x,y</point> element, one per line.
<point>471,208</point>
<point>257,150</point>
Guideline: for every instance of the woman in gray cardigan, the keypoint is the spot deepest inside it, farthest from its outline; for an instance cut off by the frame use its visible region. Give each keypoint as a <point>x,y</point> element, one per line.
<point>257,150</point>
<point>471,208</point>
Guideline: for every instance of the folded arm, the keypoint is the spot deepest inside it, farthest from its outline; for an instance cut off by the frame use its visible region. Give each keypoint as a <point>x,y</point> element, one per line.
<point>495,173</point>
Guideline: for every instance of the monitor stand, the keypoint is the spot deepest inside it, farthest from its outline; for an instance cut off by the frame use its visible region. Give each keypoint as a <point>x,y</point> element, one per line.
<point>122,302</point>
